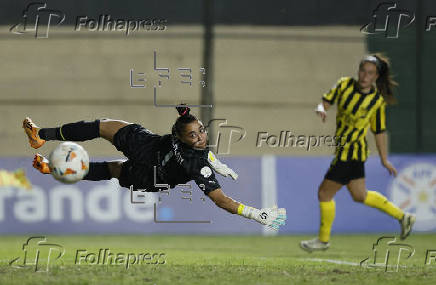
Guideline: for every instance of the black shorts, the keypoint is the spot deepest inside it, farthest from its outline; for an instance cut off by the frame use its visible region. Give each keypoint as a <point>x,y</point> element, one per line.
<point>345,171</point>
<point>139,145</point>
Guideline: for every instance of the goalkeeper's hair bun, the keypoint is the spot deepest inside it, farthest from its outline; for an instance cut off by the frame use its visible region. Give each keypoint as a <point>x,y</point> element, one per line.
<point>184,118</point>
<point>183,110</point>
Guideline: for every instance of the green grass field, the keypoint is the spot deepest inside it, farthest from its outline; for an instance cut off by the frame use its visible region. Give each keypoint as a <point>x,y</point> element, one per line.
<point>220,260</point>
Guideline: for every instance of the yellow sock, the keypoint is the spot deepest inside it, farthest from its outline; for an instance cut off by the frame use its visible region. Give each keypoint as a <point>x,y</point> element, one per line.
<point>328,210</point>
<point>377,200</point>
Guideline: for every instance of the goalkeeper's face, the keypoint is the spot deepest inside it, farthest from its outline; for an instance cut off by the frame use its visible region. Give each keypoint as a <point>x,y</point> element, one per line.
<point>195,135</point>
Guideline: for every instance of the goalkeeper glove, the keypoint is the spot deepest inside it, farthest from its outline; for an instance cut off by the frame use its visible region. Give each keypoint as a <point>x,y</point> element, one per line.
<point>220,167</point>
<point>272,217</point>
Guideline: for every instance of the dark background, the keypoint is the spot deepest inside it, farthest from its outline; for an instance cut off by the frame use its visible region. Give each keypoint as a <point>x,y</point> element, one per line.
<point>253,12</point>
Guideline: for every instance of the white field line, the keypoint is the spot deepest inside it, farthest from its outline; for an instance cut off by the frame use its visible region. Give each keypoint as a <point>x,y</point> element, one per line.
<point>335,261</point>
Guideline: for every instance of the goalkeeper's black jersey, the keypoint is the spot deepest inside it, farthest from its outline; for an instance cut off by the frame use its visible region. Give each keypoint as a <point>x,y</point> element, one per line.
<point>179,163</point>
<point>157,162</point>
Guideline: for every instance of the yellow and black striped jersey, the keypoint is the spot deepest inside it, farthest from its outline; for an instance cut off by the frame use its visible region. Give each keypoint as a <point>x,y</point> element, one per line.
<point>355,113</point>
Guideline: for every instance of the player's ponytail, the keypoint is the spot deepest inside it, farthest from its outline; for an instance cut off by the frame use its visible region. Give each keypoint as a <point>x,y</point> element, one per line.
<point>183,119</point>
<point>385,83</point>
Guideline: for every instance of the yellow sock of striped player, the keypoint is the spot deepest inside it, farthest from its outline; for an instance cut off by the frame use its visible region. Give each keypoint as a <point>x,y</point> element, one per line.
<point>377,200</point>
<point>328,211</point>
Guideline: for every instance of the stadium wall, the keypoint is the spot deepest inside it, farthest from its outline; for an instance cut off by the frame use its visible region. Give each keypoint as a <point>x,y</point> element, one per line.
<point>103,207</point>
<point>266,79</point>
<point>411,122</point>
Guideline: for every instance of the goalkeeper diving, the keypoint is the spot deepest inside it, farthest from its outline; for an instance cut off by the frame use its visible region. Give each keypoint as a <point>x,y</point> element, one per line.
<point>178,157</point>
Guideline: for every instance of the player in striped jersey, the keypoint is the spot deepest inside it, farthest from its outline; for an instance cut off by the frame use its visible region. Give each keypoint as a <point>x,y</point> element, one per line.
<point>361,105</point>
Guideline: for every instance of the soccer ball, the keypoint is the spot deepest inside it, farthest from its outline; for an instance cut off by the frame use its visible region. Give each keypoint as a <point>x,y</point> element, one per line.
<point>69,162</point>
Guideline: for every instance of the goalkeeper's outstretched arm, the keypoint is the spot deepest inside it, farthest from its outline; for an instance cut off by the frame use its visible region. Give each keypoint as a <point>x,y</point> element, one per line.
<point>271,217</point>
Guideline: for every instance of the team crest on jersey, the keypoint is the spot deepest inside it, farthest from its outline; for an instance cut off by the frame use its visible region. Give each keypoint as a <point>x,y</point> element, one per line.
<point>414,191</point>
<point>206,171</point>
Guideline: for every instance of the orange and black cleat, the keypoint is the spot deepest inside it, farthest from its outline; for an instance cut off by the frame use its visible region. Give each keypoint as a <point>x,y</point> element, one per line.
<point>41,164</point>
<point>31,131</point>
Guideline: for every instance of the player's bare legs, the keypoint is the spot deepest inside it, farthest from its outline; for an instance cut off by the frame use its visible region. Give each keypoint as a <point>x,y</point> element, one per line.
<point>109,127</point>
<point>376,200</point>
<point>357,189</point>
<point>326,191</point>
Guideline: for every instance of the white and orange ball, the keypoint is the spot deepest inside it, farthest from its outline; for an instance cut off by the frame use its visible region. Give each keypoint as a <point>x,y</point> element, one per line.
<point>69,162</point>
